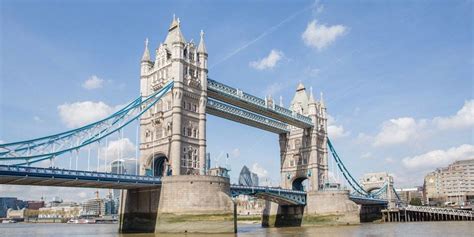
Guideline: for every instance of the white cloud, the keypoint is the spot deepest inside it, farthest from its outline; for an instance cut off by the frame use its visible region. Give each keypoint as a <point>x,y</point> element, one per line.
<point>367,155</point>
<point>93,82</point>
<point>235,153</point>
<point>439,158</point>
<point>273,89</point>
<point>402,130</point>
<point>398,130</point>
<point>463,118</point>
<point>335,131</point>
<point>320,36</point>
<point>260,171</point>
<point>317,7</point>
<point>82,194</point>
<point>389,160</point>
<point>313,72</point>
<point>119,149</point>
<point>268,62</point>
<point>37,119</point>
<point>81,113</point>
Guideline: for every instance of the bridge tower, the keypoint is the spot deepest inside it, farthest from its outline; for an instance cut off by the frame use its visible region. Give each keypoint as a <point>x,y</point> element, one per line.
<point>372,182</point>
<point>173,133</point>
<point>303,152</point>
<point>173,146</point>
<point>304,156</point>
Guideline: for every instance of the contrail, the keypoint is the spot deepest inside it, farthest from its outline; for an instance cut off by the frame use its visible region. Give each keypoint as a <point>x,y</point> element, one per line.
<point>265,33</point>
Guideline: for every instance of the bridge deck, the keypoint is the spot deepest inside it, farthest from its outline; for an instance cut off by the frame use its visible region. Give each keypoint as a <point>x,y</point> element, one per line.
<point>16,175</point>
<point>72,178</point>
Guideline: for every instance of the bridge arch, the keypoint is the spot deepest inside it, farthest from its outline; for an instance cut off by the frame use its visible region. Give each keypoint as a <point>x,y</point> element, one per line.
<point>158,163</point>
<point>373,189</point>
<point>300,183</point>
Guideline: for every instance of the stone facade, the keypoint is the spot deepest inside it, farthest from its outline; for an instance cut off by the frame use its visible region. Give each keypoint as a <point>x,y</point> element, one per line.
<point>371,182</point>
<point>303,152</point>
<point>173,132</point>
<point>454,184</point>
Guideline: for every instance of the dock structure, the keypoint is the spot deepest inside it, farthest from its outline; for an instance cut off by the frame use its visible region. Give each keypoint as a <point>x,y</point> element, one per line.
<point>423,213</point>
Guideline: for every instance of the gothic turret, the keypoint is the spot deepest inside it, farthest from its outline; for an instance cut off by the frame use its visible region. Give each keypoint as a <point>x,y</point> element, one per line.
<point>174,33</point>
<point>299,104</point>
<point>312,106</point>
<point>146,53</point>
<point>202,45</point>
<point>145,62</point>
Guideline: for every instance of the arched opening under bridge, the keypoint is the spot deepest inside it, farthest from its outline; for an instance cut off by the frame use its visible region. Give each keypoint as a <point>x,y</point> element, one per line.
<point>159,165</point>
<point>300,184</point>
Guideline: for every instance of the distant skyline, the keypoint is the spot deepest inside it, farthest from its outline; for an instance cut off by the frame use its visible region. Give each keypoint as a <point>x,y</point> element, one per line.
<point>397,77</point>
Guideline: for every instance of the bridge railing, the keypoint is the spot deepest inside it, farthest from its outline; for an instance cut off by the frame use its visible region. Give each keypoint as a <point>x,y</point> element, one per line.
<point>288,196</point>
<point>235,111</point>
<point>77,173</point>
<point>265,188</point>
<point>439,210</point>
<point>259,102</point>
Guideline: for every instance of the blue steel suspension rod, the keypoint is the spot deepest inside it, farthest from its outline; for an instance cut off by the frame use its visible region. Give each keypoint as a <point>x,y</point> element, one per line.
<point>396,194</point>
<point>344,170</point>
<point>30,144</point>
<point>74,130</point>
<point>122,112</point>
<point>156,96</point>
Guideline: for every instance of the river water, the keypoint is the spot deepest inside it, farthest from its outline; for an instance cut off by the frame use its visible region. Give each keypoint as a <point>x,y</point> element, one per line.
<point>432,229</point>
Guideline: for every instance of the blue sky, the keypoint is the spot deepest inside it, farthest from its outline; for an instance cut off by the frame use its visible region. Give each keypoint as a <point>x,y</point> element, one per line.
<point>397,76</point>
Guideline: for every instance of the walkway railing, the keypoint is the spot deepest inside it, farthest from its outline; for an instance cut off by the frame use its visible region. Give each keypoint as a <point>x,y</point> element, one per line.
<point>280,195</point>
<point>21,171</point>
<point>237,97</point>
<point>220,109</point>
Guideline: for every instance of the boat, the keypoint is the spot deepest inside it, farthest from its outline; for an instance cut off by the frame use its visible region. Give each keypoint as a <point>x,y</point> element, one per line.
<point>8,221</point>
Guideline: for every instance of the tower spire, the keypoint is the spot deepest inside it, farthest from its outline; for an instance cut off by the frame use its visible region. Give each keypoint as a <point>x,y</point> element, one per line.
<point>146,53</point>
<point>202,46</point>
<point>322,100</point>
<point>311,97</point>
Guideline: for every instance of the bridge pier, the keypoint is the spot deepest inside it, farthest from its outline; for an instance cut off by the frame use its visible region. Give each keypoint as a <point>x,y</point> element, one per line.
<point>334,207</point>
<point>322,208</point>
<point>183,204</point>
<point>275,215</point>
<point>138,210</point>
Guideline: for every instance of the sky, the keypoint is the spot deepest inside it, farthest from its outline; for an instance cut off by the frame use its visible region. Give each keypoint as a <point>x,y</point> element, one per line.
<point>397,76</point>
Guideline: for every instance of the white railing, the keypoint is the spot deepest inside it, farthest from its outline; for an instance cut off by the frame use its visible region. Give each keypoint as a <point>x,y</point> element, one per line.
<point>439,210</point>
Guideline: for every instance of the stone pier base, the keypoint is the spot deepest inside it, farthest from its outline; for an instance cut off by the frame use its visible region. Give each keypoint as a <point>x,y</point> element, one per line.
<point>323,208</point>
<point>195,204</point>
<point>330,207</point>
<point>370,213</point>
<point>138,210</point>
<point>183,204</point>
<point>275,215</point>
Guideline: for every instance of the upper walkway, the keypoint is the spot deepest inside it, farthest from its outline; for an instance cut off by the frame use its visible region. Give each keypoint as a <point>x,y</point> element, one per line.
<point>238,98</point>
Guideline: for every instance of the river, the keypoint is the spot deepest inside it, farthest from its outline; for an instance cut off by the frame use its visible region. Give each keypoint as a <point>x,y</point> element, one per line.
<point>431,229</point>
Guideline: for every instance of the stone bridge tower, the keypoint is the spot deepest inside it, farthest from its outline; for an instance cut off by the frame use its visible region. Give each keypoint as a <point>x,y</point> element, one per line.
<point>304,156</point>
<point>173,146</point>
<point>372,182</point>
<point>303,152</point>
<point>173,132</point>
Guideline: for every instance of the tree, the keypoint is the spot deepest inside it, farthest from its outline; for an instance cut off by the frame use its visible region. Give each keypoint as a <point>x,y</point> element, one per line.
<point>415,202</point>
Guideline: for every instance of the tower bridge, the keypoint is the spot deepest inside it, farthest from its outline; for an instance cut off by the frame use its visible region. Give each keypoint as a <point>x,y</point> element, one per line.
<point>172,188</point>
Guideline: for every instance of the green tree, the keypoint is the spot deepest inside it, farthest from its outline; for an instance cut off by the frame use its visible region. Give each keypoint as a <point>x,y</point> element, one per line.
<point>415,202</point>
